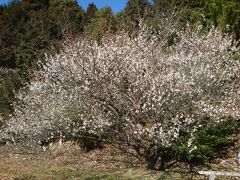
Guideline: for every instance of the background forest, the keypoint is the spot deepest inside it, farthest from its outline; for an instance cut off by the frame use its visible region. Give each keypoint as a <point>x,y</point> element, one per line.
<point>33,30</point>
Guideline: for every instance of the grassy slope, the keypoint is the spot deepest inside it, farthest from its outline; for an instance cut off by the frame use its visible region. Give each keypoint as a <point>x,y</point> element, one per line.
<point>71,163</point>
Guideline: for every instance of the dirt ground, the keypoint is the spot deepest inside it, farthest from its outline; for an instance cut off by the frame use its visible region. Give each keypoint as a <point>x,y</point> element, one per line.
<point>69,161</point>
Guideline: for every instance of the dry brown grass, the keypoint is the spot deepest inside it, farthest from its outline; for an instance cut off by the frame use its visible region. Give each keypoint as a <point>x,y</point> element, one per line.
<point>69,161</point>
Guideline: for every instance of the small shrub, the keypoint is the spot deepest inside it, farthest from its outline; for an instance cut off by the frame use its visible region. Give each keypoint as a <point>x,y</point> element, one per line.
<point>209,142</point>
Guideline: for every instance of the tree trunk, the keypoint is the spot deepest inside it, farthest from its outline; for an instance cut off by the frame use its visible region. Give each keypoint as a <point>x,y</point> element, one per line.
<point>162,165</point>
<point>163,162</point>
<point>151,162</point>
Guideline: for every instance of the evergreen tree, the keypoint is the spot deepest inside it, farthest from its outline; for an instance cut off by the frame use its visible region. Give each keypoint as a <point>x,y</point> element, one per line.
<point>90,13</point>
<point>225,14</point>
<point>136,10</point>
<point>103,22</point>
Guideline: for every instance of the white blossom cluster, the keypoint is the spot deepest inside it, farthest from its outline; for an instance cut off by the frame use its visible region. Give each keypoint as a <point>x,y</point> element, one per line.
<point>134,90</point>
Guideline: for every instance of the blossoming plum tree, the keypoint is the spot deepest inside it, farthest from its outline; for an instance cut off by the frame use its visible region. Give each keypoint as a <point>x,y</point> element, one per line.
<point>132,91</point>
